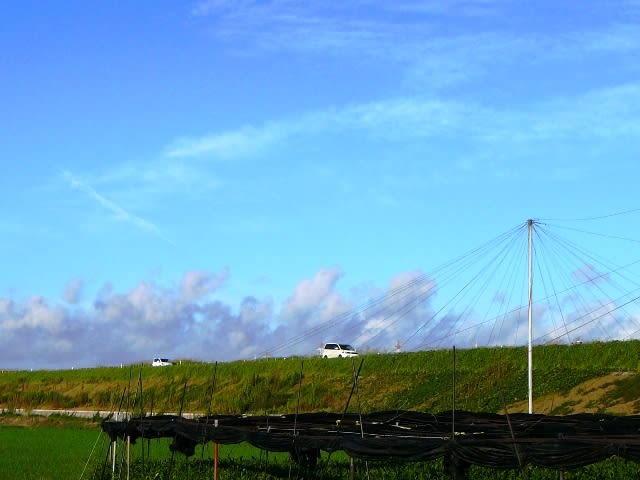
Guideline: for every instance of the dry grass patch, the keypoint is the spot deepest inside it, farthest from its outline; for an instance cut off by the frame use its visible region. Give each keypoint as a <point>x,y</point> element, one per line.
<point>597,395</point>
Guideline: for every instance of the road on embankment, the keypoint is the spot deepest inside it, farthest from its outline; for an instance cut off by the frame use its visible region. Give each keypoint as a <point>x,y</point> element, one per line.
<point>45,412</point>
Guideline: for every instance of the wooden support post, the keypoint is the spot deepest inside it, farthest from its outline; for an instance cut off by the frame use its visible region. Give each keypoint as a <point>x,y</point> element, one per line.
<point>216,461</point>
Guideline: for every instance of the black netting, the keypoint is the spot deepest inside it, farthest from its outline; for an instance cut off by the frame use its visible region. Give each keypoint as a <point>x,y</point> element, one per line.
<point>490,440</point>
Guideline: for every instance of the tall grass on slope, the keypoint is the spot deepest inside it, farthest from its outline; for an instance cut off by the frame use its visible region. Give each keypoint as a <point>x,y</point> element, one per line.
<point>486,380</point>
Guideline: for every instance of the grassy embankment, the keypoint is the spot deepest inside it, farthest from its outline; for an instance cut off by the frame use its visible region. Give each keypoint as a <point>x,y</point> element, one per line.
<point>597,377</point>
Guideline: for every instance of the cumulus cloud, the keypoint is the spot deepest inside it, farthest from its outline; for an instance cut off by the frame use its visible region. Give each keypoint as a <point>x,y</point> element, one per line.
<point>196,285</point>
<point>588,273</point>
<point>189,320</point>
<point>73,291</point>
<point>314,299</point>
<point>35,313</point>
<point>402,314</point>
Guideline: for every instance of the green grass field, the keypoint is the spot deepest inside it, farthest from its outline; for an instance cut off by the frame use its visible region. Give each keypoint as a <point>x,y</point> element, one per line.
<point>73,452</point>
<point>45,452</point>
<point>487,379</point>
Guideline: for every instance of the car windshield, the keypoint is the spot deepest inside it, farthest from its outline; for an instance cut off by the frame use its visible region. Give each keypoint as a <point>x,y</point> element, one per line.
<point>345,346</point>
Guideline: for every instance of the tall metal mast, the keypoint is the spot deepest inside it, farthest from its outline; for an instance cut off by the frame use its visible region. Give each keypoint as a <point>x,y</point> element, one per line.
<point>530,346</point>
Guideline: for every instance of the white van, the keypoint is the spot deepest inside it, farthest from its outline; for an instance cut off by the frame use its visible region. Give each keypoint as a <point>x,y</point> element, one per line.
<point>161,362</point>
<point>338,350</point>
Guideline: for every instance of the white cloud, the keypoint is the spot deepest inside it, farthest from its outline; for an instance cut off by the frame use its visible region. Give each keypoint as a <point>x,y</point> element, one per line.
<point>186,322</point>
<point>73,291</point>
<point>410,39</point>
<point>196,285</point>
<point>116,210</point>
<point>368,28</point>
<point>233,144</point>
<point>34,314</point>
<point>313,297</point>
<point>189,322</point>
<point>389,120</point>
<point>603,114</point>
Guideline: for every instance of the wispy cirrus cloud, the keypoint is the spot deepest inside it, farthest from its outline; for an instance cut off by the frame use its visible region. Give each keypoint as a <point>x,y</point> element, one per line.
<point>242,142</point>
<point>411,37</point>
<point>116,210</point>
<point>388,120</point>
<point>334,24</point>
<point>406,36</point>
<point>602,113</point>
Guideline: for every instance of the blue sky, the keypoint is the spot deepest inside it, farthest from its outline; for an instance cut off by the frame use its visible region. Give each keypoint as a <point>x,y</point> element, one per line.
<point>209,179</point>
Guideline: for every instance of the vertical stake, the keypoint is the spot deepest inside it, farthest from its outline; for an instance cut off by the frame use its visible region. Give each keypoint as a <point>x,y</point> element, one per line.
<point>113,458</point>
<point>128,455</point>
<point>453,398</point>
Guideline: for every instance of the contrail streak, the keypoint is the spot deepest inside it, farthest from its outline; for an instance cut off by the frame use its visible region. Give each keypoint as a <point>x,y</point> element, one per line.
<point>113,207</point>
